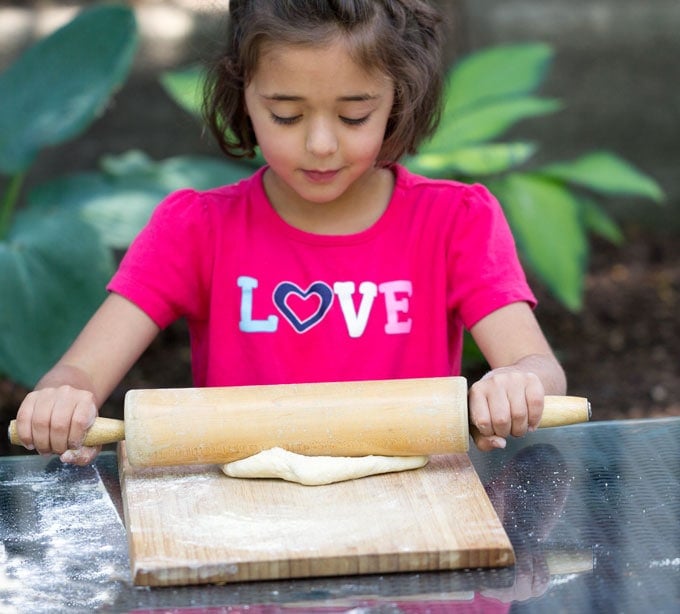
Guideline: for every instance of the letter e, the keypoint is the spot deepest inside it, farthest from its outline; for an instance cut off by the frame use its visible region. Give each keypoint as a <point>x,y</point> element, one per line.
<point>396,306</point>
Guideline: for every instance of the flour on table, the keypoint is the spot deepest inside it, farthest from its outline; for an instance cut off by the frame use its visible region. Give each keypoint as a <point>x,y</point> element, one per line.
<point>318,470</point>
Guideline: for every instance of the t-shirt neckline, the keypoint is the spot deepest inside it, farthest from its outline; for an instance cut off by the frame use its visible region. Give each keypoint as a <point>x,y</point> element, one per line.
<point>273,218</point>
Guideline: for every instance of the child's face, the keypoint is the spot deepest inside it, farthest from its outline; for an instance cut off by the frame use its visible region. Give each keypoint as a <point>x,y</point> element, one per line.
<point>320,121</point>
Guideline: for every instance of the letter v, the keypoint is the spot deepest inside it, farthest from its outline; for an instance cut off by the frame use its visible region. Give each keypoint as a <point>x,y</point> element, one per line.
<point>356,320</point>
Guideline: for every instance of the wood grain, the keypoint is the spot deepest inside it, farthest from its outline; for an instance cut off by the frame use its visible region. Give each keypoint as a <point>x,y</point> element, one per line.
<point>193,525</point>
<point>422,416</point>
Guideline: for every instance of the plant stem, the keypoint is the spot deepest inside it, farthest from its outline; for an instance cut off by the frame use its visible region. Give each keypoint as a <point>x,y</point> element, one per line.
<point>8,204</point>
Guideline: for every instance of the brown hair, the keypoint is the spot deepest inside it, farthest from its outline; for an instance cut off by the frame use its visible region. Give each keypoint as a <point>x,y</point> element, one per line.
<point>400,38</point>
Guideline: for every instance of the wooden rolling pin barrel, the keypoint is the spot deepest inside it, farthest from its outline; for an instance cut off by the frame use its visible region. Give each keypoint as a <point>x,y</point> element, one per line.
<point>186,426</point>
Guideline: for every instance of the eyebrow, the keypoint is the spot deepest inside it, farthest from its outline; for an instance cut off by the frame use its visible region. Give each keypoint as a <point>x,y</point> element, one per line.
<point>291,98</point>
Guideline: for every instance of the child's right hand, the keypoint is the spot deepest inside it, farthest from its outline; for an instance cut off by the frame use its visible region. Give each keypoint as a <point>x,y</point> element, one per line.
<point>54,420</point>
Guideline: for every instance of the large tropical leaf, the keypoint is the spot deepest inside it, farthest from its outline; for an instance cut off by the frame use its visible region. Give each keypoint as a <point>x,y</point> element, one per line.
<point>498,72</point>
<point>597,221</point>
<point>54,270</point>
<point>607,173</point>
<point>59,85</point>
<point>480,160</point>
<point>486,122</point>
<point>546,222</point>
<point>185,87</point>
<point>119,200</point>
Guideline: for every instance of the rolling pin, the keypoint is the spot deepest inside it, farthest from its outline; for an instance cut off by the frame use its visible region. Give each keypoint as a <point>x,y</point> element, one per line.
<point>406,417</point>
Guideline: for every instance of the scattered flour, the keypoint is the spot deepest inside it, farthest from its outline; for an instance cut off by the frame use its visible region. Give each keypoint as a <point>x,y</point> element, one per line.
<point>62,541</point>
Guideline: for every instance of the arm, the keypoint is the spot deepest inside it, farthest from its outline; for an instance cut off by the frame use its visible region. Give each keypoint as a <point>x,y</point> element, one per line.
<point>56,415</point>
<point>508,400</point>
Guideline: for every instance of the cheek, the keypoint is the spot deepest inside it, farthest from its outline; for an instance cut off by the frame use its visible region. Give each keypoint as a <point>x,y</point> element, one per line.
<point>368,143</point>
<point>365,146</point>
<point>274,145</point>
<point>276,150</point>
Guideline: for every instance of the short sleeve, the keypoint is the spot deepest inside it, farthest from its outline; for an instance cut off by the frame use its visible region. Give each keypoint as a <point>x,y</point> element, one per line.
<point>166,269</point>
<point>485,272</point>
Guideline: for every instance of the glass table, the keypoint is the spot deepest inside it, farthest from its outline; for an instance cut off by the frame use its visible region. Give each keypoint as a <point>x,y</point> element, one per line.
<point>592,511</point>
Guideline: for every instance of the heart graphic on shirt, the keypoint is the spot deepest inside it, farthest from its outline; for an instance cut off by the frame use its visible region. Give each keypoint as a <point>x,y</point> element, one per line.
<point>303,308</point>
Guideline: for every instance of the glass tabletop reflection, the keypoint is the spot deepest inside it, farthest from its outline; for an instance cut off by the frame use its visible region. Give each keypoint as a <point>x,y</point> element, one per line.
<point>592,511</point>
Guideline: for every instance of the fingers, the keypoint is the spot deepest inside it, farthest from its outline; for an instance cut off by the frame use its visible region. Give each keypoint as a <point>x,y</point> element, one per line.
<point>486,444</point>
<point>83,455</point>
<point>55,420</point>
<point>83,418</point>
<point>505,402</point>
<point>535,395</point>
<point>25,420</point>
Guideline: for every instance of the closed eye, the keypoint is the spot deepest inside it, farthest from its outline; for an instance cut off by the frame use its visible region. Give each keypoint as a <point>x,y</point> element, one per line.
<point>285,121</point>
<point>351,121</point>
<point>289,121</point>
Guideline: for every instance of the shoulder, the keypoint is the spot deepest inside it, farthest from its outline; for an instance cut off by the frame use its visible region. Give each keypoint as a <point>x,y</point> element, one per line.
<point>191,204</point>
<point>452,198</point>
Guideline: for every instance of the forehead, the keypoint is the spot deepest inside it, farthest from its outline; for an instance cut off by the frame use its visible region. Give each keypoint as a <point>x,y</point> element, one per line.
<point>321,66</point>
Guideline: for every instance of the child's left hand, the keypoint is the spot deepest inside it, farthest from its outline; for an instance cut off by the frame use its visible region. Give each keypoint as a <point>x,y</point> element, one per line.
<point>506,401</point>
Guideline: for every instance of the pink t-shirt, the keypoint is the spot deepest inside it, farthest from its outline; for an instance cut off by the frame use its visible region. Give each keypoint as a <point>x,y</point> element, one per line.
<point>267,303</point>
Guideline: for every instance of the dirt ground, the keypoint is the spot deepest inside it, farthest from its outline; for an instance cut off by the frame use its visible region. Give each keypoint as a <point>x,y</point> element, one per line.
<point>622,351</point>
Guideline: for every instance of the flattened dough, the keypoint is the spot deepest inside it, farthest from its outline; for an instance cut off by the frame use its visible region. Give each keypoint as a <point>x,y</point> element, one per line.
<point>317,470</point>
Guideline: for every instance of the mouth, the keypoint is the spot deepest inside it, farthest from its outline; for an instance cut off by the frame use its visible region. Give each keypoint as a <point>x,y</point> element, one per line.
<point>316,176</point>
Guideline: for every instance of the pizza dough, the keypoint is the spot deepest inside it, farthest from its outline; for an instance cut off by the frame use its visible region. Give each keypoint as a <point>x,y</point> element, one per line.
<point>317,470</point>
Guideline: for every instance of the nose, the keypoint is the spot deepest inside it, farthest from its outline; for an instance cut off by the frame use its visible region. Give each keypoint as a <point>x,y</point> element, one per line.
<point>321,138</point>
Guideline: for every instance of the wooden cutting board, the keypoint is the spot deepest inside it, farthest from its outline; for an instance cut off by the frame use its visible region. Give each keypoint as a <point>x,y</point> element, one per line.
<point>193,525</point>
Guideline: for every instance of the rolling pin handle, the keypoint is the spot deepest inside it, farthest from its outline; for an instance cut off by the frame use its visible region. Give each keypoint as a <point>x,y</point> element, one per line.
<point>558,411</point>
<point>564,410</point>
<point>104,430</point>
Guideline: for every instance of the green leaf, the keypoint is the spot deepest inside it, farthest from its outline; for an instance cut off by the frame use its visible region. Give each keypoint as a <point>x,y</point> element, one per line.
<point>606,173</point>
<point>497,72</point>
<point>119,200</point>
<point>118,213</point>
<point>58,86</point>
<point>597,221</point>
<point>185,87</point>
<point>198,172</point>
<point>479,160</point>
<point>545,219</point>
<point>54,270</point>
<point>486,122</point>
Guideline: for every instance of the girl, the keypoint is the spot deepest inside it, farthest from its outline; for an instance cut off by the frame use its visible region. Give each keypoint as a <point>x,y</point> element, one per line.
<point>332,262</point>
